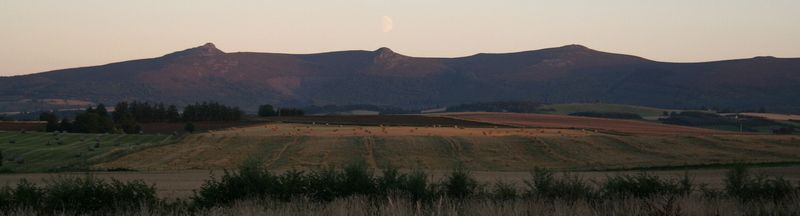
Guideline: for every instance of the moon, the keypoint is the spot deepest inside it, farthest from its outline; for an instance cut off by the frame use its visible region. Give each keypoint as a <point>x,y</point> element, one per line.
<point>388,24</point>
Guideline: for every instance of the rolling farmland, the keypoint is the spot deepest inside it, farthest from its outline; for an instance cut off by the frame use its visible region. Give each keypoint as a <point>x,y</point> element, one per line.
<point>287,146</point>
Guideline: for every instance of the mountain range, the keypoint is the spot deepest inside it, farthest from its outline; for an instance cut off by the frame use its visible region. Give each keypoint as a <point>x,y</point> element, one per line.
<point>572,73</point>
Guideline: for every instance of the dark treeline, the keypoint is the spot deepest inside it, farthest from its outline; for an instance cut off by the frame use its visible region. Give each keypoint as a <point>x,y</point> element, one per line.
<point>146,112</point>
<point>93,120</point>
<point>127,116</point>
<point>334,109</point>
<point>509,106</point>
<point>268,110</point>
<point>211,111</point>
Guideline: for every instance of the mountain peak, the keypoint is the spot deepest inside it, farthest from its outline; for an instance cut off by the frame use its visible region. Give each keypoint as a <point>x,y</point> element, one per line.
<point>384,53</point>
<point>575,47</point>
<point>384,50</point>
<point>208,49</point>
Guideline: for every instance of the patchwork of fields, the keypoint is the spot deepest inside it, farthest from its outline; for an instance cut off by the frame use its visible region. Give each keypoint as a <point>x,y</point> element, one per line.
<point>493,145</point>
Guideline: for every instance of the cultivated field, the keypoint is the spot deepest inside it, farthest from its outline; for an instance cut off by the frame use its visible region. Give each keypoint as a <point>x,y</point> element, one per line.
<point>520,143</point>
<point>629,127</point>
<point>17,126</point>
<point>773,116</point>
<point>286,146</point>
<point>44,152</point>
<point>382,120</point>
<point>566,109</point>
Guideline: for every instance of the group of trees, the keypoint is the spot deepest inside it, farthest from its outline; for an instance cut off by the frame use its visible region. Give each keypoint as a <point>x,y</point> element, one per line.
<point>93,120</point>
<point>268,110</point>
<point>146,112</point>
<point>127,116</point>
<point>211,111</point>
<point>502,106</point>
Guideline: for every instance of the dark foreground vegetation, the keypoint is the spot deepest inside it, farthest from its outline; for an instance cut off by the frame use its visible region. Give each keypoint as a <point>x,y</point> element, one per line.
<point>357,190</point>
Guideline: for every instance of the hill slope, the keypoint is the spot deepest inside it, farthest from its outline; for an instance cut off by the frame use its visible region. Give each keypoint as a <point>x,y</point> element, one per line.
<point>558,75</point>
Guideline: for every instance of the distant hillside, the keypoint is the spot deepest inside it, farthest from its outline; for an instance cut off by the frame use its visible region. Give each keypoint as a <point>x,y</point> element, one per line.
<point>384,78</point>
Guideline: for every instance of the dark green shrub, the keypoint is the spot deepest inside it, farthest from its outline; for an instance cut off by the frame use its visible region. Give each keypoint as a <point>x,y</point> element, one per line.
<point>77,194</point>
<point>289,185</point>
<point>357,179</point>
<point>644,185</point>
<point>504,191</point>
<point>418,186</point>
<point>27,195</point>
<point>250,181</point>
<point>90,194</point>
<point>741,184</point>
<point>391,181</point>
<point>460,184</point>
<point>544,185</point>
<point>324,184</point>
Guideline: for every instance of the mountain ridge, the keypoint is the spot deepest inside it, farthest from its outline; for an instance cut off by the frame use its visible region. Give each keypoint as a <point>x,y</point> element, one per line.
<point>571,73</point>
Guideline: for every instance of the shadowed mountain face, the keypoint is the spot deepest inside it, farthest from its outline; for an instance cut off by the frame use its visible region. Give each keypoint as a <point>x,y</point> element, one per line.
<point>565,74</point>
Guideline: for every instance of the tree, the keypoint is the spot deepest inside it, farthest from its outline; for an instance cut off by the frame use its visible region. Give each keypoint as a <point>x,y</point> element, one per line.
<point>65,125</point>
<point>119,110</point>
<point>172,114</point>
<point>128,124</point>
<point>266,110</point>
<point>211,111</point>
<point>189,127</point>
<point>51,119</point>
<point>101,110</point>
<point>290,112</point>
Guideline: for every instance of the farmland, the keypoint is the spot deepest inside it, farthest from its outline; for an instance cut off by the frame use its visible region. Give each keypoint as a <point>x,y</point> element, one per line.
<point>47,152</point>
<point>565,109</point>
<point>17,126</point>
<point>494,145</point>
<point>630,127</point>
<point>563,142</point>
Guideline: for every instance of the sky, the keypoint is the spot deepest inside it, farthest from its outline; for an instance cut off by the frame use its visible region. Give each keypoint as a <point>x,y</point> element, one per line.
<point>42,35</point>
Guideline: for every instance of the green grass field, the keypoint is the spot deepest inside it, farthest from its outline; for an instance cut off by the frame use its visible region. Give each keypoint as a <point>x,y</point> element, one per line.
<point>566,109</point>
<point>44,152</point>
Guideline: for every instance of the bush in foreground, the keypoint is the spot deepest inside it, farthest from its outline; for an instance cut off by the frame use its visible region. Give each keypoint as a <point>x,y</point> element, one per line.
<point>78,194</point>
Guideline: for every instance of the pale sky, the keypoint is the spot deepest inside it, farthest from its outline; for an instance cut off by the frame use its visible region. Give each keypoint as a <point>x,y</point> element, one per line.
<point>42,35</point>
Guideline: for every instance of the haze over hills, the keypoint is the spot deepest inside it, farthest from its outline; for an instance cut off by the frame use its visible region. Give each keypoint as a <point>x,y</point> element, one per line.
<point>570,73</point>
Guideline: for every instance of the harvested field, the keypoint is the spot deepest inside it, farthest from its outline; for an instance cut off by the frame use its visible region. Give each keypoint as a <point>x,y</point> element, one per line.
<point>385,120</point>
<point>773,116</point>
<point>286,146</point>
<point>17,126</point>
<point>167,128</point>
<point>575,122</point>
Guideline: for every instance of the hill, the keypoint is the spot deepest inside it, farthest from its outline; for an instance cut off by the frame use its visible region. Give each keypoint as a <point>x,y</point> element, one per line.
<point>566,74</point>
